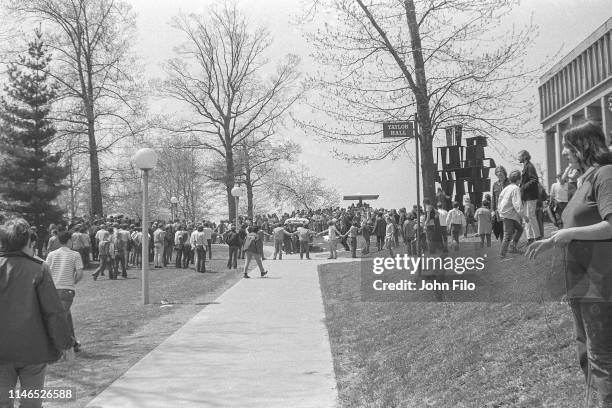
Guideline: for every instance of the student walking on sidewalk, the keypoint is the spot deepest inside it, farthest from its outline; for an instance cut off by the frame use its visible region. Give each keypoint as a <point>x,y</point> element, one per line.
<point>251,250</point>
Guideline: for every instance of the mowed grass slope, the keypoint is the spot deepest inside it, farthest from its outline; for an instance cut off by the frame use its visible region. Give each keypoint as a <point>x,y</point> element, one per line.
<point>461,354</point>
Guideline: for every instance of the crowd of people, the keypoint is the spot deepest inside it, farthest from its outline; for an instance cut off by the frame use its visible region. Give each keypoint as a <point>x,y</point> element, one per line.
<point>580,204</point>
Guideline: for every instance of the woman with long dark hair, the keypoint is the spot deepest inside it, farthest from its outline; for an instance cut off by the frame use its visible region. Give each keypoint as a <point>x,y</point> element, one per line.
<point>587,239</point>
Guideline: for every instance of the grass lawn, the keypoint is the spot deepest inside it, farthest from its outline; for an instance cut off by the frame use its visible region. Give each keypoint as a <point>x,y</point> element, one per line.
<point>453,354</point>
<point>116,330</point>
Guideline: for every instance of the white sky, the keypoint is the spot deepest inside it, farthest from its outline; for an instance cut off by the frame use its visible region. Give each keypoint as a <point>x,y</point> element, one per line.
<point>562,25</point>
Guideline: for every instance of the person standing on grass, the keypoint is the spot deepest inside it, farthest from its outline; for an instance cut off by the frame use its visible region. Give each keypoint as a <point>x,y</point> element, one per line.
<point>366,230</point>
<point>66,268</point>
<point>232,239</point>
<point>352,234</point>
<point>136,238</point>
<point>409,234</point>
<point>208,235</point>
<point>559,197</point>
<point>332,234</point>
<point>484,219</point>
<point>34,330</point>
<point>53,241</point>
<point>468,210</point>
<point>198,245</point>
<point>251,249</point>
<point>380,228</point>
<point>456,220</point>
<point>179,240</point>
<point>511,210</point>
<point>498,186</point>
<point>390,237</point>
<point>168,245</point>
<point>159,236</point>
<point>442,215</point>
<point>105,254</point>
<point>529,194</point>
<point>586,239</point>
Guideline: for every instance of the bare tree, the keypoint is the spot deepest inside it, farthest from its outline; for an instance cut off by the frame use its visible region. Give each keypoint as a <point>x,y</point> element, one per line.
<point>298,187</point>
<point>444,60</point>
<point>257,159</point>
<point>91,42</point>
<point>219,75</point>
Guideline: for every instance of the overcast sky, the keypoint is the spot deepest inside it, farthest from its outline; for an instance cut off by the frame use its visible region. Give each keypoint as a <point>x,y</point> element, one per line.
<point>562,25</point>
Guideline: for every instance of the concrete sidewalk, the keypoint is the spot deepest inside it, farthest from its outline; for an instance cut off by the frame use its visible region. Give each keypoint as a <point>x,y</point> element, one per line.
<point>263,343</point>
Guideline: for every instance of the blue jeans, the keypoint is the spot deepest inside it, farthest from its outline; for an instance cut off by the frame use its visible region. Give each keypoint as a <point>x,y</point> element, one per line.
<point>278,248</point>
<point>593,325</point>
<point>67,297</point>
<point>31,377</point>
<point>232,262</point>
<point>304,248</point>
<point>512,233</point>
<point>200,258</point>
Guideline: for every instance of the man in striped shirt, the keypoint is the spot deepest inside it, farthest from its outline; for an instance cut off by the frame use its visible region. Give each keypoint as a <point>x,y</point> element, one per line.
<point>66,269</point>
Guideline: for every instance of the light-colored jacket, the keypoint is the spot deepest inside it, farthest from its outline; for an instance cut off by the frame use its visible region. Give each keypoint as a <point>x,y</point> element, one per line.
<point>510,203</point>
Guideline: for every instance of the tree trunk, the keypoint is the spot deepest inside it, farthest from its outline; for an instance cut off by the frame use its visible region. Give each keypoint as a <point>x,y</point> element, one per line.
<point>229,183</point>
<point>422,103</point>
<point>249,188</point>
<point>94,165</point>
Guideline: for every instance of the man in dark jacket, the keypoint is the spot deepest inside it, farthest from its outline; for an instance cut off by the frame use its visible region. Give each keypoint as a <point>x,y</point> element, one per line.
<point>380,228</point>
<point>34,327</point>
<point>529,195</point>
<point>232,239</point>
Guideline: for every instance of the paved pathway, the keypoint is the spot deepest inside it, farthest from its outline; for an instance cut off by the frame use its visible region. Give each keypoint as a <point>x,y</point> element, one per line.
<point>262,344</point>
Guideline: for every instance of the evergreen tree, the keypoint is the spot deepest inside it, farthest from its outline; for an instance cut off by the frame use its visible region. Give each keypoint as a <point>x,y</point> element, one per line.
<point>30,174</point>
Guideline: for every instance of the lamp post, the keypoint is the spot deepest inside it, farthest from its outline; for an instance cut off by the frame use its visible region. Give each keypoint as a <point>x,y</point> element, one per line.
<point>237,193</point>
<point>145,160</point>
<point>174,202</point>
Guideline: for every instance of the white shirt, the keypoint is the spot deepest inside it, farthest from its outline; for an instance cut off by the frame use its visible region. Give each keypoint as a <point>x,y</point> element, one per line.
<point>559,193</point>
<point>442,214</point>
<point>510,203</point>
<point>455,216</point>
<point>64,264</point>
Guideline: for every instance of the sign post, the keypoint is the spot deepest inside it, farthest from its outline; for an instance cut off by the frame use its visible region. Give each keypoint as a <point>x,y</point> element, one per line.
<point>409,130</point>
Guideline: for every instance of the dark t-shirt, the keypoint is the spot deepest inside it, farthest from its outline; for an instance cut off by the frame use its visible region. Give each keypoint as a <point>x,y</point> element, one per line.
<point>589,263</point>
